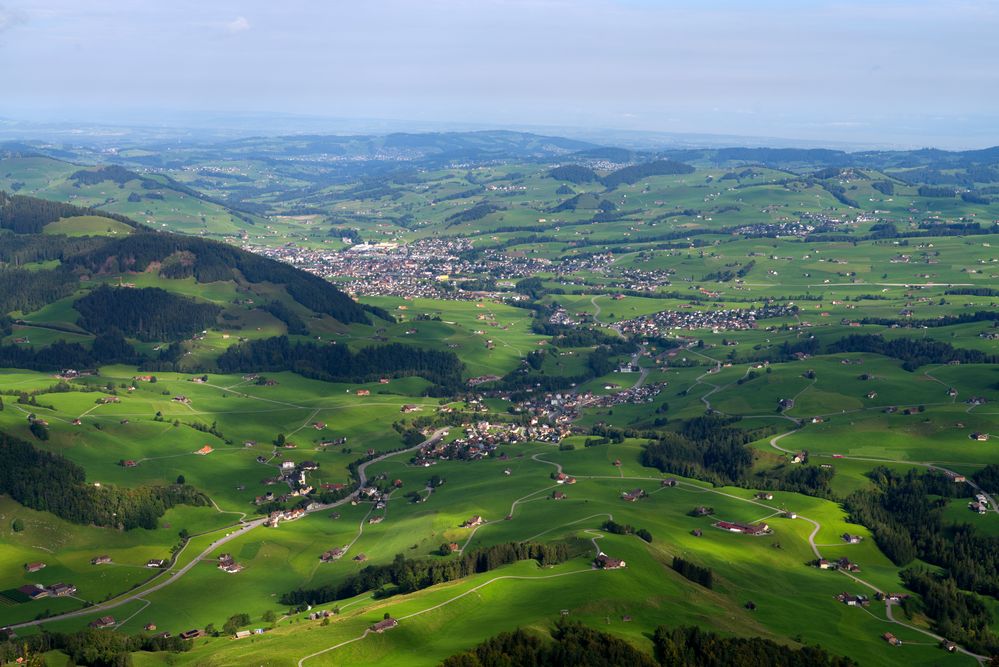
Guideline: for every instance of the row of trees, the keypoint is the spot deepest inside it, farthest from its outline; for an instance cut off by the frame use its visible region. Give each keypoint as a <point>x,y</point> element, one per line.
<point>572,643</point>
<point>696,573</point>
<point>94,648</point>
<point>616,528</point>
<point>408,575</point>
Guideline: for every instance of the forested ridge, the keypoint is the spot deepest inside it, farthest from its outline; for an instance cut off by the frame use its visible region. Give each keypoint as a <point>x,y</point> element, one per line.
<point>29,215</point>
<point>337,363</point>
<point>905,513</point>
<point>149,313</point>
<point>50,483</point>
<point>209,261</point>
<point>175,256</point>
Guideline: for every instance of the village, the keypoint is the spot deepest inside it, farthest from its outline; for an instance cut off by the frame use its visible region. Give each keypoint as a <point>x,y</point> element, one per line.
<point>726,319</point>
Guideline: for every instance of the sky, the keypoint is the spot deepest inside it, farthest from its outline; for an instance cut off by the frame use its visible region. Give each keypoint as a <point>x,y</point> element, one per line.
<point>870,72</point>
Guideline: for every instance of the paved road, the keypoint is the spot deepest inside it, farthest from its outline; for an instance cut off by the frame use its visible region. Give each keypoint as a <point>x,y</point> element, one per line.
<point>244,528</point>
<point>107,606</point>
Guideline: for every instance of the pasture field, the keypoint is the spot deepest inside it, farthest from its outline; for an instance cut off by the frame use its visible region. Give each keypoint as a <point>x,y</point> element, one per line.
<point>703,254</point>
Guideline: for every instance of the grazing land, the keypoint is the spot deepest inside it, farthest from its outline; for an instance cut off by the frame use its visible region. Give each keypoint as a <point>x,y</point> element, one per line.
<point>302,386</point>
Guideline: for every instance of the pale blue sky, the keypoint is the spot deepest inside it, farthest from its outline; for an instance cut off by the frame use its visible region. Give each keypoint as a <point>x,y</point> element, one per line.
<point>907,73</point>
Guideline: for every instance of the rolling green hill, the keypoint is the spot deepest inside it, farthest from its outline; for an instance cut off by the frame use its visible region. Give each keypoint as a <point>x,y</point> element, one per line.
<point>649,364</point>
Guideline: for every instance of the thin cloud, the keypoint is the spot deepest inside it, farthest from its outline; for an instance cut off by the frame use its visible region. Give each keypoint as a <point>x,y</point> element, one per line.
<point>238,24</point>
<point>10,18</point>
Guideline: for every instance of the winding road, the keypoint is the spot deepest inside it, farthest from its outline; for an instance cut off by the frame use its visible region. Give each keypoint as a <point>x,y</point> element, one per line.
<point>244,527</point>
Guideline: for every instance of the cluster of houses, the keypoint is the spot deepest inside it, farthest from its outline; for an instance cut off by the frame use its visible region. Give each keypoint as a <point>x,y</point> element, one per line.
<point>843,564</point>
<point>423,269</point>
<point>851,600</point>
<point>333,554</point>
<point>722,319</point>
<point>632,395</point>
<point>293,474</point>
<point>276,517</point>
<point>38,591</point>
<point>980,504</point>
<point>483,438</point>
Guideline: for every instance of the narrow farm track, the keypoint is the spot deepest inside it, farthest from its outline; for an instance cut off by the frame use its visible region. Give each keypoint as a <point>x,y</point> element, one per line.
<point>445,603</point>
<point>815,550</point>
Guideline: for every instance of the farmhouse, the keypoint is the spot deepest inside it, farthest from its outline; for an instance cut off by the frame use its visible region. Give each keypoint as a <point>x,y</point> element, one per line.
<point>102,622</point>
<point>851,600</point>
<point>764,495</point>
<point>746,529</point>
<point>205,451</point>
<point>33,567</point>
<point>62,590</point>
<point>633,495</point>
<point>852,539</point>
<point>228,564</point>
<point>558,495</point>
<point>670,482</point>
<point>605,562</point>
<point>33,591</point>
<point>383,625</point>
<point>845,564</point>
<point>891,639</point>
<point>474,521</point>
<point>100,560</point>
<point>190,634</point>
<point>333,554</point>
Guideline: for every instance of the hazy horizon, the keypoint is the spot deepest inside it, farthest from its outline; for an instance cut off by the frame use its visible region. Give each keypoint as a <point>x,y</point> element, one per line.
<point>879,74</point>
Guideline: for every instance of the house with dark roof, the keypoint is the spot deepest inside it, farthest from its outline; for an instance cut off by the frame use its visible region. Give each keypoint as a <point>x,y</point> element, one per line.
<point>605,562</point>
<point>383,625</point>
